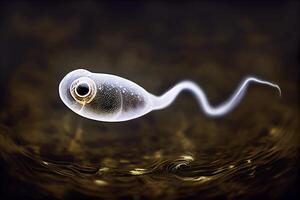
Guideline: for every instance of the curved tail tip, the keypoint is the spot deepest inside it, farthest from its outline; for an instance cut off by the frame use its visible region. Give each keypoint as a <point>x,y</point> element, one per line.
<point>277,87</point>
<point>267,83</point>
<point>279,90</point>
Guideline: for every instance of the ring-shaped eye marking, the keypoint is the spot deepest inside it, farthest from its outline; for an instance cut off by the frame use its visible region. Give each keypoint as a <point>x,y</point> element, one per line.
<point>83,90</point>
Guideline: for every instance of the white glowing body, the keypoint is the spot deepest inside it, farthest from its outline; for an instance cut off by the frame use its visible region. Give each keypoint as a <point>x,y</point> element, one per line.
<point>125,100</point>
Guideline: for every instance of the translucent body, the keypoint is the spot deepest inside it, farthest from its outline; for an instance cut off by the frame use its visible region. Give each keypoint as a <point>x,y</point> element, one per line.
<point>114,99</point>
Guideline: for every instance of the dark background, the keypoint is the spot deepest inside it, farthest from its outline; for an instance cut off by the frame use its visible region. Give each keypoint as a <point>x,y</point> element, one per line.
<point>153,43</point>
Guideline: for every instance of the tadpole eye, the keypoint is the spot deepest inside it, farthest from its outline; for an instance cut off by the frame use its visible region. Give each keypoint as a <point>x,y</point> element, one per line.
<point>83,90</point>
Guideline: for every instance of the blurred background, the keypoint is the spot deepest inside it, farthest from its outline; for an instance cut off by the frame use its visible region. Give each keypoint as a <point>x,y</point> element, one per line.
<point>49,152</point>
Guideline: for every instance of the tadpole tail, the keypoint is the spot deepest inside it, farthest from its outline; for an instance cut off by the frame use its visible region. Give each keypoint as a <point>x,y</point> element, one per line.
<point>166,99</point>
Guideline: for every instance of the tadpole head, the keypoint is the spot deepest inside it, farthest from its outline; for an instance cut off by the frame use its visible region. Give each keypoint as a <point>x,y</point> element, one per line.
<point>90,95</point>
<point>75,89</point>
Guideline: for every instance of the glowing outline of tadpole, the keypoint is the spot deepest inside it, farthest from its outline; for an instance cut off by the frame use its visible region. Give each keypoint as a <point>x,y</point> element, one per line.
<point>163,101</point>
